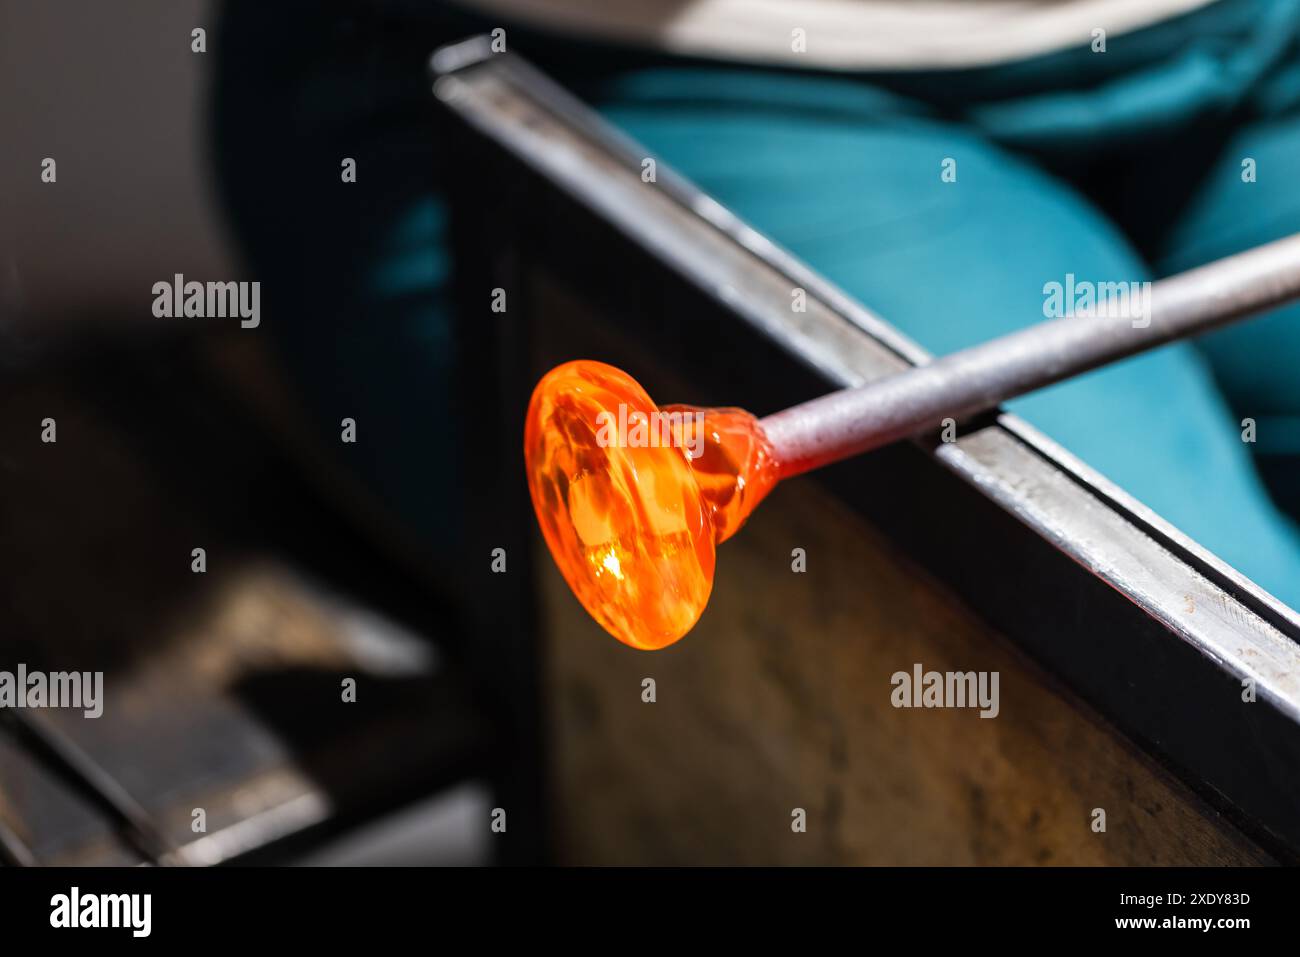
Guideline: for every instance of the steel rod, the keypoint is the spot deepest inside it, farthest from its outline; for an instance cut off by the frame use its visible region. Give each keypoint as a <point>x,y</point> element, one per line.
<point>852,421</point>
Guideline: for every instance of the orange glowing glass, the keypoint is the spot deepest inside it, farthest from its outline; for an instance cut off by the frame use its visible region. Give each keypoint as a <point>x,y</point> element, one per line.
<point>632,499</point>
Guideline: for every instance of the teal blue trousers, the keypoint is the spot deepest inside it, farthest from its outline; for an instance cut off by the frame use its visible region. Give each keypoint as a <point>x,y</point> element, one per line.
<point>944,201</point>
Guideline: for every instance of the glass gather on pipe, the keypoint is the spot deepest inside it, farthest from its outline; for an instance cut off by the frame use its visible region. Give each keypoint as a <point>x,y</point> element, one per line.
<point>633,499</point>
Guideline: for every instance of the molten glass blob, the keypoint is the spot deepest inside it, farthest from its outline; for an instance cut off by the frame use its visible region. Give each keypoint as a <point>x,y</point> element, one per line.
<point>632,499</point>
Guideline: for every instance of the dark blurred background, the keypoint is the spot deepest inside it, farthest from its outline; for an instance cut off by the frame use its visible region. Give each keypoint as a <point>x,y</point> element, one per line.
<point>222,687</point>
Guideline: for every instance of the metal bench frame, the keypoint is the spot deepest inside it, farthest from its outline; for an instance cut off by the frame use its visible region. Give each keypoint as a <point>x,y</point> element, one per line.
<point>1153,631</point>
